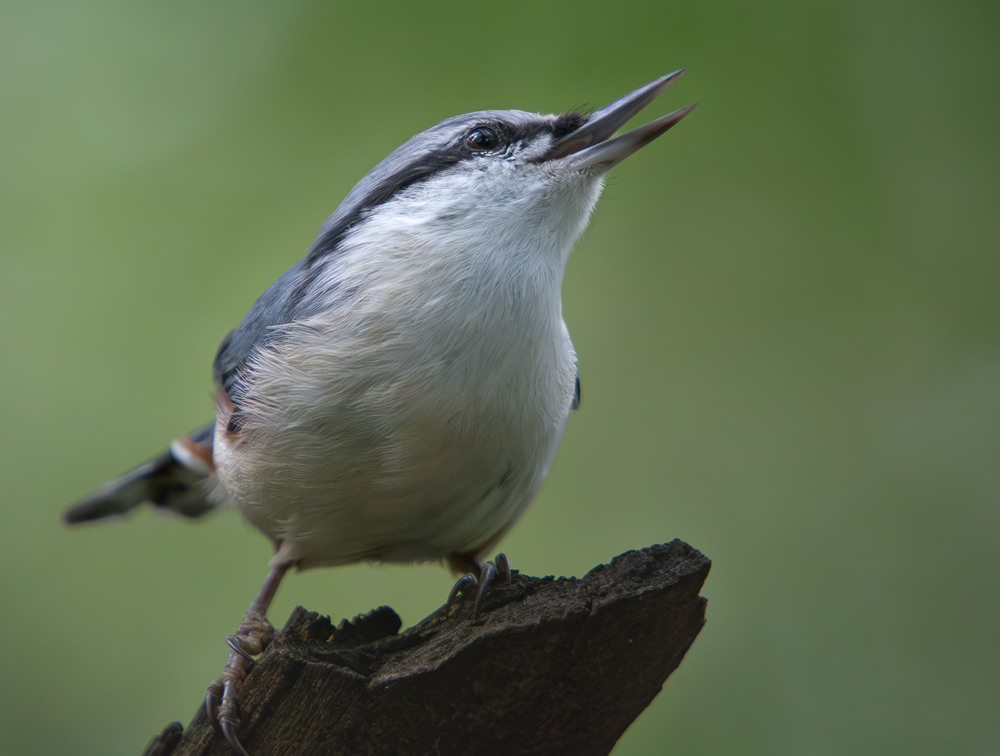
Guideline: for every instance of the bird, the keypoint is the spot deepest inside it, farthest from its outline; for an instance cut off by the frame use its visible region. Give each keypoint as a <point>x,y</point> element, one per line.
<point>399,393</point>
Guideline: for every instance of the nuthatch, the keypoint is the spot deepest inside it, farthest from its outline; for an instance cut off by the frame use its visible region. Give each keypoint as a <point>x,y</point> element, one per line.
<point>398,395</point>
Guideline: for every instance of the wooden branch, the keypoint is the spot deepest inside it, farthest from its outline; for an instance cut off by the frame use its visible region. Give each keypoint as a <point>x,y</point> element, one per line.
<point>552,666</point>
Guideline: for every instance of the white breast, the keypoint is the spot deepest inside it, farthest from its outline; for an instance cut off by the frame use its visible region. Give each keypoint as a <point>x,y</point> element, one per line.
<point>418,416</point>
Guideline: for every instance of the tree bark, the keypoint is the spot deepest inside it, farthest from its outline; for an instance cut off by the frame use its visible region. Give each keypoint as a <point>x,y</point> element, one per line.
<point>551,666</point>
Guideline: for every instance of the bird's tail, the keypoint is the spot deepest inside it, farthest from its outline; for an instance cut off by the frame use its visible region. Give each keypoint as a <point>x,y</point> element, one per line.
<point>177,480</point>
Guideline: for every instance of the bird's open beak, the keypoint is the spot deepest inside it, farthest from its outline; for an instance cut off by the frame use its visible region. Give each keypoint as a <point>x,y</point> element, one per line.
<point>590,147</point>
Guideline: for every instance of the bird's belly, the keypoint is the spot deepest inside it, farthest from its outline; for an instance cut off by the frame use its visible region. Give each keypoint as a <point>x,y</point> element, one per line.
<point>387,477</point>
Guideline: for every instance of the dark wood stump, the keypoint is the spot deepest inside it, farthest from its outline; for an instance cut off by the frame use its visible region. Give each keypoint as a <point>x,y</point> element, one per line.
<point>552,666</point>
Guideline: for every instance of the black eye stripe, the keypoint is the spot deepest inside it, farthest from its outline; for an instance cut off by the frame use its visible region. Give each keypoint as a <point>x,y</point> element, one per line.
<point>567,123</point>
<point>487,137</point>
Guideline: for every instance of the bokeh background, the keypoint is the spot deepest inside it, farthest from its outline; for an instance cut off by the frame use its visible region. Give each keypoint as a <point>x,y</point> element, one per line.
<point>787,313</point>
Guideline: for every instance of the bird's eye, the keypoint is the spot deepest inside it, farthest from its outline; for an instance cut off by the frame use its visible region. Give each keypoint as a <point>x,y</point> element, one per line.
<point>482,138</point>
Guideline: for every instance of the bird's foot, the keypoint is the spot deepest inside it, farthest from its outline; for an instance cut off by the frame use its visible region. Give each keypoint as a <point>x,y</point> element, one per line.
<point>255,635</point>
<point>480,579</point>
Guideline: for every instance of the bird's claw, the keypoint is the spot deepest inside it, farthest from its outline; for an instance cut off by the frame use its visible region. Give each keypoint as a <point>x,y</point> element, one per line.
<point>237,644</point>
<point>255,634</point>
<point>212,697</point>
<point>488,572</point>
<point>229,726</point>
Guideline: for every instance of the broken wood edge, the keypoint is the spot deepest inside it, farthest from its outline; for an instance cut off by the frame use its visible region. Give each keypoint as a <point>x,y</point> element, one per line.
<point>612,637</point>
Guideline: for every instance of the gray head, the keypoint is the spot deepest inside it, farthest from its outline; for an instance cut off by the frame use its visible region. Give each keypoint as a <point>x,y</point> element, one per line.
<point>503,142</point>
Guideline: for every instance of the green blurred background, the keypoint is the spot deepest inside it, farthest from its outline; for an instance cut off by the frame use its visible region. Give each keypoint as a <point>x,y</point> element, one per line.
<point>787,313</point>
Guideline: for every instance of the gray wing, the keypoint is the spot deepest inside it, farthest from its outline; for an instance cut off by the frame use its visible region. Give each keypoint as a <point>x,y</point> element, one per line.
<point>280,304</point>
<point>287,299</point>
